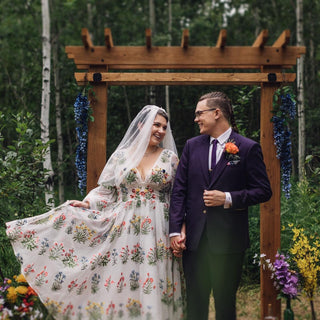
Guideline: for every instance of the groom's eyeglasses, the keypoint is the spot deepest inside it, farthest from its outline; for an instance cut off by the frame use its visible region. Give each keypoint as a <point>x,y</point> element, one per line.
<point>197,114</point>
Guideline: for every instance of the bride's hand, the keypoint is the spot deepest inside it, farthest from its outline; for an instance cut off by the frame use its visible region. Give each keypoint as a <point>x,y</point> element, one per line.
<point>182,240</point>
<point>81,204</point>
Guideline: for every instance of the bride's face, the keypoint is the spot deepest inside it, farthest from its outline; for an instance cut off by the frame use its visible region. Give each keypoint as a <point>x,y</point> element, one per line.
<point>158,131</point>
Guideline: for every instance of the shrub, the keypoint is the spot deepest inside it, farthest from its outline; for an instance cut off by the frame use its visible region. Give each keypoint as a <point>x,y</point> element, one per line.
<point>22,182</point>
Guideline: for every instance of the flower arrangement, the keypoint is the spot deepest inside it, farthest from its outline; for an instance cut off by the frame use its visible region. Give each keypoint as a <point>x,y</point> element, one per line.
<point>18,300</point>
<point>284,109</point>
<point>286,280</point>
<point>231,153</point>
<point>299,271</point>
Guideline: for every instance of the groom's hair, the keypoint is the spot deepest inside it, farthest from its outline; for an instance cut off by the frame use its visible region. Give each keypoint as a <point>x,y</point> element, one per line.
<point>220,99</point>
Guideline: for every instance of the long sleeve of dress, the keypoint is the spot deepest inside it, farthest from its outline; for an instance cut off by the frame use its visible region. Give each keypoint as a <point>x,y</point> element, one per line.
<point>101,197</point>
<point>106,193</point>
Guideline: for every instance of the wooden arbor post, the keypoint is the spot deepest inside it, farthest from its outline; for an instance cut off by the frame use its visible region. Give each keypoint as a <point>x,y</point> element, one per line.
<point>271,61</point>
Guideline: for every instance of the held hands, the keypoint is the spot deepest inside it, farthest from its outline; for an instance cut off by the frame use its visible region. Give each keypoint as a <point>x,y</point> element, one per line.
<point>82,204</point>
<point>214,198</point>
<point>178,243</point>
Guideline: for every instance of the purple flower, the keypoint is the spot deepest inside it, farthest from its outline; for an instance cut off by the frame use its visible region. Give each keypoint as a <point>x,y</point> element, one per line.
<point>285,278</point>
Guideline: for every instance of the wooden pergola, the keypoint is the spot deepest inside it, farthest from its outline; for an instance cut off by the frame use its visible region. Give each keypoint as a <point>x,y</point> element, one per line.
<point>113,65</point>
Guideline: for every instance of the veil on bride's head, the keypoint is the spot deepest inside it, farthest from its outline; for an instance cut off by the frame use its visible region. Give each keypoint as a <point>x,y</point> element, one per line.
<point>133,145</point>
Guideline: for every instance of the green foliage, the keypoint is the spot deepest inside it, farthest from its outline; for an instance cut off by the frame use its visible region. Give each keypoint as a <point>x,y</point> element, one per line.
<point>245,111</point>
<point>22,177</point>
<point>300,211</point>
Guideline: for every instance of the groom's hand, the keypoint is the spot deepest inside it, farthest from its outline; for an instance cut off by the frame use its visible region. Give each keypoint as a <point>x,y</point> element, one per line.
<point>214,198</point>
<point>177,245</point>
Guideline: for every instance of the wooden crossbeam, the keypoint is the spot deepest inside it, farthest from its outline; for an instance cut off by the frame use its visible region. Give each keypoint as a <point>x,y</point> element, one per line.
<point>283,40</point>
<point>148,38</point>
<point>155,78</point>
<point>222,39</point>
<point>108,38</point>
<point>185,39</point>
<point>86,39</point>
<point>262,39</point>
<point>127,57</point>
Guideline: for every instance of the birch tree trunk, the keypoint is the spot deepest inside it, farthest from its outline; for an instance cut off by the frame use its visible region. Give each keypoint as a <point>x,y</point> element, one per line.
<point>300,92</point>
<point>56,77</point>
<point>45,99</point>
<point>167,91</point>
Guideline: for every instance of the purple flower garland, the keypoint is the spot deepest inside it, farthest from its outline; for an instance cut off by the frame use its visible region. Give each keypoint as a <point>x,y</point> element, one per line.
<point>282,137</point>
<point>81,112</point>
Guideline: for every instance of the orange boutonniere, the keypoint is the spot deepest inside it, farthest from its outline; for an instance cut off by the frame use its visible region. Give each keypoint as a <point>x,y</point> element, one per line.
<point>231,151</point>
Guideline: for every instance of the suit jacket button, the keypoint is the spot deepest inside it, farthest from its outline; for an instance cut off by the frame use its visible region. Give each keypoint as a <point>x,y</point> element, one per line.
<point>204,211</point>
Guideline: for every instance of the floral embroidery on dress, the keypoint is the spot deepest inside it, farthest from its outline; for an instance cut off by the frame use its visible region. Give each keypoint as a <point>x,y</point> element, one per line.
<point>112,261</point>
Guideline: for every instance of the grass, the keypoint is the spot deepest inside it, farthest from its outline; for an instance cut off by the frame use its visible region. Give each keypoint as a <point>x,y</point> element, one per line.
<point>248,305</point>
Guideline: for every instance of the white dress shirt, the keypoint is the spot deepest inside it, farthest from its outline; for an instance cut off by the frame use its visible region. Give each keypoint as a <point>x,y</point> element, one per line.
<point>222,140</point>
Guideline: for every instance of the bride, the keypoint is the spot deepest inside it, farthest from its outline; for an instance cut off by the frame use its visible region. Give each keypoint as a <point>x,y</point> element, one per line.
<point>108,256</point>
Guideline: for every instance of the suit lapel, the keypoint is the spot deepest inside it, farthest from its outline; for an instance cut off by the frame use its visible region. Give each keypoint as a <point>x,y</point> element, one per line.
<point>223,162</point>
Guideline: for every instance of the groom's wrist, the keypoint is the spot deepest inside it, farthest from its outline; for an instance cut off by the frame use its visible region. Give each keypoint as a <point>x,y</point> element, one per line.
<point>228,201</point>
<point>174,234</point>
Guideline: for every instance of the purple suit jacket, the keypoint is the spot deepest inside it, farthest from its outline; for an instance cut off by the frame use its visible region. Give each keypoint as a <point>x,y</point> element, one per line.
<point>247,182</point>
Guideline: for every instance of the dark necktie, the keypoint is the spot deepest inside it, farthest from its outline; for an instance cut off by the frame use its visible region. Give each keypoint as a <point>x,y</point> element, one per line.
<point>213,154</point>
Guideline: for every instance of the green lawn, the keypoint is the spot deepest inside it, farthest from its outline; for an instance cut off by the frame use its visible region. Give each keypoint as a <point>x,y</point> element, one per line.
<point>248,305</point>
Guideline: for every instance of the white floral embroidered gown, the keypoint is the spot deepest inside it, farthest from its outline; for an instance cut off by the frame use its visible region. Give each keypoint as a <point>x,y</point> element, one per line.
<point>112,261</point>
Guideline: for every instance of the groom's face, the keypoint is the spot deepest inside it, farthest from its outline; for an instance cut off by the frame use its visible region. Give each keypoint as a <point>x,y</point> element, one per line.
<point>205,117</point>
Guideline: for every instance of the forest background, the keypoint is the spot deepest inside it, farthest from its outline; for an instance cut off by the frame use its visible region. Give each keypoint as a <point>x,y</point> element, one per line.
<point>22,182</point>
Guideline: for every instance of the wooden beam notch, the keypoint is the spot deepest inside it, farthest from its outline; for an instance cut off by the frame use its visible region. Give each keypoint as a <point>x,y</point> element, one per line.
<point>261,40</point>
<point>108,38</point>
<point>86,39</point>
<point>283,40</point>
<point>148,38</point>
<point>222,39</point>
<point>185,39</point>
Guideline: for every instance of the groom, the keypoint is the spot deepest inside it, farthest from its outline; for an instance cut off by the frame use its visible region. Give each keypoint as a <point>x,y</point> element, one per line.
<point>220,174</point>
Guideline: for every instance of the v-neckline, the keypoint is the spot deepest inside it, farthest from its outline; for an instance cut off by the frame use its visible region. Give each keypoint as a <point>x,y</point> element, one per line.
<point>143,179</point>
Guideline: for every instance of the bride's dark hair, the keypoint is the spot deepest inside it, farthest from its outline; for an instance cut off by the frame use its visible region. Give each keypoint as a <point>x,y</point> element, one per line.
<point>161,112</point>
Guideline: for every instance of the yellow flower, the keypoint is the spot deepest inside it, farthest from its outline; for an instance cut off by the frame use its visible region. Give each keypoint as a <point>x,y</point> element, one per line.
<point>306,255</point>
<point>21,278</point>
<point>22,290</point>
<point>12,294</point>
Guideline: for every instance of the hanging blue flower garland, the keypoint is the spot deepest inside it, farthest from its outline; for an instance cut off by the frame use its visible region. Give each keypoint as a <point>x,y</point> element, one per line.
<point>81,113</point>
<point>282,135</point>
